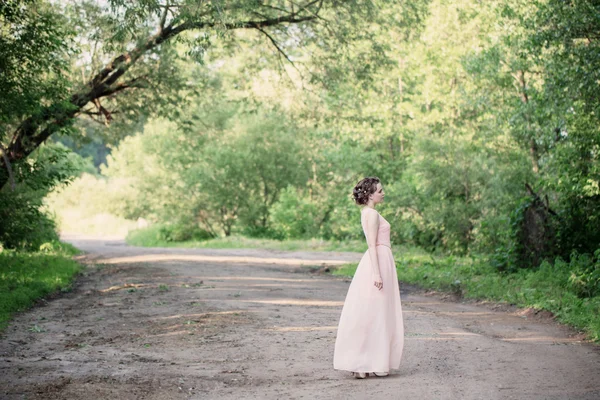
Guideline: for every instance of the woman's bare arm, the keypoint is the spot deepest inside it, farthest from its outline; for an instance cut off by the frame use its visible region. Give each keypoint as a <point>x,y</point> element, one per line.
<point>372,219</point>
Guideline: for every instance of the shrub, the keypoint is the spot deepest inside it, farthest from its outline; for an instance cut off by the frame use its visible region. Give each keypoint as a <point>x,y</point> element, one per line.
<point>584,279</point>
<point>24,224</point>
<point>182,232</point>
<point>294,217</point>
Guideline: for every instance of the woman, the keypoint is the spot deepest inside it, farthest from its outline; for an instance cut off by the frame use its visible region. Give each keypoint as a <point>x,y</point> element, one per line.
<point>370,334</point>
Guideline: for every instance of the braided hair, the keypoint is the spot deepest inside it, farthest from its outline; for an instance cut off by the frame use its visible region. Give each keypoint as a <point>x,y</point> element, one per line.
<point>364,189</point>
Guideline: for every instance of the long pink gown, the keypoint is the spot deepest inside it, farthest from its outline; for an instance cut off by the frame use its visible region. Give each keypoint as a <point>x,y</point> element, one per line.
<point>370,335</point>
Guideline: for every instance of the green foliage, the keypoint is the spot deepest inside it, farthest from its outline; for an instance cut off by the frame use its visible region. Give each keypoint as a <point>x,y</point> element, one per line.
<point>27,227</point>
<point>135,56</point>
<point>89,205</point>
<point>182,232</point>
<point>574,175</point>
<point>294,216</point>
<point>454,104</point>
<point>25,224</point>
<point>227,172</point>
<point>317,215</point>
<point>88,141</point>
<point>584,279</point>
<point>571,59</point>
<point>253,162</point>
<point>148,237</point>
<point>556,287</point>
<point>34,50</point>
<point>511,254</point>
<point>26,277</point>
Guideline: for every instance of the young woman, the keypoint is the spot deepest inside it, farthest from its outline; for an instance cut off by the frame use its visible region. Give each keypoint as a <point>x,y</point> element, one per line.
<point>370,334</point>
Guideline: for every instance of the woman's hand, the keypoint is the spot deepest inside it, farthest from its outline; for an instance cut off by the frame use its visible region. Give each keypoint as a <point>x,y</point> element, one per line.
<point>378,282</point>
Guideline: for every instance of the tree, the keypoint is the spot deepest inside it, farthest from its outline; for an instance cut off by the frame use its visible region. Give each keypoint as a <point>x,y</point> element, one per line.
<point>33,56</point>
<point>143,33</point>
<point>566,44</point>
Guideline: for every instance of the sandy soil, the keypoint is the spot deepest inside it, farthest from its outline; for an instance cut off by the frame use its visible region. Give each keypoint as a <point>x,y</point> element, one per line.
<point>255,324</point>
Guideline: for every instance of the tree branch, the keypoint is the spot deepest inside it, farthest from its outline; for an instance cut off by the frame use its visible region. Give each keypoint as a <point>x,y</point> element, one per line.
<point>276,8</point>
<point>163,17</point>
<point>291,19</point>
<point>91,115</point>
<point>90,112</point>
<point>275,44</point>
<point>122,86</point>
<point>307,5</point>
<point>280,50</point>
<point>36,129</point>
<point>118,66</point>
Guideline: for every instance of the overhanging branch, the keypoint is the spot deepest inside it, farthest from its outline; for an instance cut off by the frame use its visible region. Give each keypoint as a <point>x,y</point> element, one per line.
<point>132,83</point>
<point>274,42</point>
<point>163,18</point>
<point>291,19</point>
<point>34,130</point>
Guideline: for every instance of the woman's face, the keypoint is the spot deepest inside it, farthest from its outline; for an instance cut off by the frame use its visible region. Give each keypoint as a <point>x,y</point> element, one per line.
<point>377,197</point>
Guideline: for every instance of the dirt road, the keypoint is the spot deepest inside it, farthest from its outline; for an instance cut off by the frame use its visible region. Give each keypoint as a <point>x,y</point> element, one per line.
<point>255,324</point>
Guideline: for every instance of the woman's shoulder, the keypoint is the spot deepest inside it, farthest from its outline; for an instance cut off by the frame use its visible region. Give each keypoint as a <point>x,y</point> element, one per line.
<point>369,212</point>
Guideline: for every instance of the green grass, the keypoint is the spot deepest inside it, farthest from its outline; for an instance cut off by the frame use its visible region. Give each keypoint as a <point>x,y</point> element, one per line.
<point>26,277</point>
<point>546,288</point>
<point>149,237</point>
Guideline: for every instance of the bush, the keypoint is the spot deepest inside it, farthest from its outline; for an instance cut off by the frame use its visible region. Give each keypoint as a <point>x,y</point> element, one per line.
<point>585,274</point>
<point>567,289</point>
<point>260,232</point>
<point>182,232</point>
<point>24,223</point>
<point>294,217</point>
<point>529,238</point>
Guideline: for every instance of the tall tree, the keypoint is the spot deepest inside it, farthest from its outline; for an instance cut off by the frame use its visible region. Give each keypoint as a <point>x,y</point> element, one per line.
<point>137,39</point>
<point>33,56</point>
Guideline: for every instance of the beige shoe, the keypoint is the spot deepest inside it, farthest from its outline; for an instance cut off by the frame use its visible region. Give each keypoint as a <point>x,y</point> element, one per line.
<point>360,375</point>
<point>380,374</point>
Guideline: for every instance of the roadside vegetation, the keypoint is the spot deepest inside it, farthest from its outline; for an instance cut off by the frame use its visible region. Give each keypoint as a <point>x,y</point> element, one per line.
<point>555,287</point>
<point>159,236</point>
<point>25,277</point>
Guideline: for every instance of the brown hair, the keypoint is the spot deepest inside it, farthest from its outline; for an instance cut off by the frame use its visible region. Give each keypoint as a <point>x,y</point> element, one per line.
<point>364,189</point>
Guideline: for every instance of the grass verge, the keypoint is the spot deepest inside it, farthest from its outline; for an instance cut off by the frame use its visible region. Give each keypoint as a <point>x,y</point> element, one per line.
<point>150,237</point>
<point>546,288</point>
<point>26,277</point>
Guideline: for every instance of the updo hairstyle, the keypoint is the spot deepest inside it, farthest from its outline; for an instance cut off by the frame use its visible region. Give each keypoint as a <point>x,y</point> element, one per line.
<point>364,189</point>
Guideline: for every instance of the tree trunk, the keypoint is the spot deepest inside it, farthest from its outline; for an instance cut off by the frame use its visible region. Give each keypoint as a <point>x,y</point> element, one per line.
<point>533,151</point>
<point>533,154</point>
<point>401,142</point>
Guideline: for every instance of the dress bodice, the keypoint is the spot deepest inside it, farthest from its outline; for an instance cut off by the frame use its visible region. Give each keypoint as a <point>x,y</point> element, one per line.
<point>383,233</point>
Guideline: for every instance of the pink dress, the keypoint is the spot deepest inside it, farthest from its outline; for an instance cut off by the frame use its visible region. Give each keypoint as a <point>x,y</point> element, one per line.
<point>370,335</point>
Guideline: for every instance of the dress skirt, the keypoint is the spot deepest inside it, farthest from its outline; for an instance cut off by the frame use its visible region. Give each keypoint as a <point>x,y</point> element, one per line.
<point>370,335</point>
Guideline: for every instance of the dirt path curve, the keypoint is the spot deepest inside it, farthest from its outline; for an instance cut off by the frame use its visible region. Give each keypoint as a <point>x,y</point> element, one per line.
<point>255,324</point>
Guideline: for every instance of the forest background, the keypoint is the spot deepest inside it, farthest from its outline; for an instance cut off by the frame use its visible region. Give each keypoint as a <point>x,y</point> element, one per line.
<point>204,121</point>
